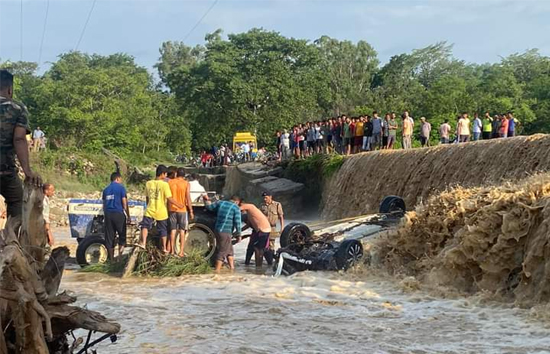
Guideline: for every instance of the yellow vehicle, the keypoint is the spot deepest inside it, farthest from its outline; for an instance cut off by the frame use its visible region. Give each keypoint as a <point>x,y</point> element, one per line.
<point>244,137</point>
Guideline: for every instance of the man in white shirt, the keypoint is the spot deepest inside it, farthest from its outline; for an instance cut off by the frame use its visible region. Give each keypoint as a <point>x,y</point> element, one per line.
<point>195,188</point>
<point>477,127</point>
<point>246,151</point>
<point>463,128</point>
<point>48,190</point>
<point>285,145</point>
<point>37,137</point>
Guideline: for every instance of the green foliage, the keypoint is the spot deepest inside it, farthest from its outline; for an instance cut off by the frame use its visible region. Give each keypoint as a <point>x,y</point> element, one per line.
<point>154,263</point>
<point>261,81</point>
<point>116,267</point>
<point>313,172</point>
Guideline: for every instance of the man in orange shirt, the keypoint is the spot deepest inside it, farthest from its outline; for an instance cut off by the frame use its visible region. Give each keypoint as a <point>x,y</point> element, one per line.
<point>179,221</point>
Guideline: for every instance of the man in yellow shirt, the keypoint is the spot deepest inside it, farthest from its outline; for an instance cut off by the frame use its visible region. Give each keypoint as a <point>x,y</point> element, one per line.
<point>158,195</point>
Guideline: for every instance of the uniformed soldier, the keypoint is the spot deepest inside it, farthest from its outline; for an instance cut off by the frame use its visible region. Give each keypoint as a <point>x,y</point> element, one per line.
<point>274,212</point>
<point>14,126</point>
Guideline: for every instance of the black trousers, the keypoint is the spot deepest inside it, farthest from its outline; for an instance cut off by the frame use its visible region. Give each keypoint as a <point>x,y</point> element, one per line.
<point>115,223</point>
<point>268,253</point>
<point>11,189</point>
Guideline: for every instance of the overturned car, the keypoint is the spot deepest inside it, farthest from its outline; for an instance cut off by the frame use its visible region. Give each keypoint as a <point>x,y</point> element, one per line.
<point>339,247</point>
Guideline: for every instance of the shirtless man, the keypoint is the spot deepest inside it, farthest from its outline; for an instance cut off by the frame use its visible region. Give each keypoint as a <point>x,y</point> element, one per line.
<point>259,241</point>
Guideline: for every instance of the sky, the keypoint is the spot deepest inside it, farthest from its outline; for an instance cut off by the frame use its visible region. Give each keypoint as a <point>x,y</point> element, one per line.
<point>481,31</point>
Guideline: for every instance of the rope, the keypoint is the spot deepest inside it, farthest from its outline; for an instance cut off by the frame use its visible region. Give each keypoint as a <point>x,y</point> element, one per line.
<point>43,33</point>
<point>85,25</point>
<point>200,20</point>
<point>21,32</point>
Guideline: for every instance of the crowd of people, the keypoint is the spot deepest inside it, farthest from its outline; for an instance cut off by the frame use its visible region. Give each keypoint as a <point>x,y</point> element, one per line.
<point>170,207</point>
<point>350,135</point>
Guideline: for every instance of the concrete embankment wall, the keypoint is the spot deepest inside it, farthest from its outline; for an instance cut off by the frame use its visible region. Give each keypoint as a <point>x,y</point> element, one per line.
<point>364,179</point>
<point>250,180</point>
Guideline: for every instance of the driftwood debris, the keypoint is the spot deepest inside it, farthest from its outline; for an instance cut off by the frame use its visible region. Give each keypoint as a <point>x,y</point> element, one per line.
<point>34,318</point>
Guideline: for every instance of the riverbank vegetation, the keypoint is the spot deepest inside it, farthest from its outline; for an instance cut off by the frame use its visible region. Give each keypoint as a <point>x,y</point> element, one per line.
<point>314,172</point>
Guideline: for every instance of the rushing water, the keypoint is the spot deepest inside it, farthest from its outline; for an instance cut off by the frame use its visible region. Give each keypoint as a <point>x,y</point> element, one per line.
<point>306,313</point>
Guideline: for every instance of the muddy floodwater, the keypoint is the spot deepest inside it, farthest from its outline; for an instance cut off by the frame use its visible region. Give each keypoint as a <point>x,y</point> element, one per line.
<point>306,313</point>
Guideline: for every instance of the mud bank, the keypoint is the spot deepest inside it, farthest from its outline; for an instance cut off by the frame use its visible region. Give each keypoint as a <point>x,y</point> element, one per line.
<point>492,240</point>
<point>364,179</point>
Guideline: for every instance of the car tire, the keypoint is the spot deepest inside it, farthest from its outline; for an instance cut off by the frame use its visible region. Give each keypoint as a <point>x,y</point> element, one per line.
<point>349,254</point>
<point>295,233</point>
<point>392,204</point>
<point>91,250</point>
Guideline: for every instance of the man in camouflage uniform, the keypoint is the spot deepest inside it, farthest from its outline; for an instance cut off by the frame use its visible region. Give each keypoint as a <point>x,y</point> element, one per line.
<point>14,126</point>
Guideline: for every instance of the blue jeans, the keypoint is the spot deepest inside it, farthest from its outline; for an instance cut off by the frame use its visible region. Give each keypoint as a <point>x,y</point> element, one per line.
<point>476,136</point>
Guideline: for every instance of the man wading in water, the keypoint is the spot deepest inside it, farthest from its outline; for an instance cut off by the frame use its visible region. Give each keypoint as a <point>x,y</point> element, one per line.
<point>259,241</point>
<point>14,126</point>
<point>117,215</point>
<point>274,212</point>
<point>228,219</point>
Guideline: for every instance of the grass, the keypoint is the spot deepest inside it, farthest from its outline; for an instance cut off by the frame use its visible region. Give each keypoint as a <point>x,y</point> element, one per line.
<point>116,267</point>
<point>313,172</point>
<point>154,263</point>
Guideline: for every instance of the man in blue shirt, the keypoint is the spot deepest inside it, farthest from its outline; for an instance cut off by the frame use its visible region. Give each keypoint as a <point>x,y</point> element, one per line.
<point>115,205</point>
<point>228,219</point>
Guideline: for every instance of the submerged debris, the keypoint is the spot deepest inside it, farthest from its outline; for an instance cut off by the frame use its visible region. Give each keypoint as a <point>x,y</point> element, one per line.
<point>491,239</point>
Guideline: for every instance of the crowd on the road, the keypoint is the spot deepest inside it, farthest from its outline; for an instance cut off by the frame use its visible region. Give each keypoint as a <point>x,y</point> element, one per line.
<point>224,156</point>
<point>350,135</point>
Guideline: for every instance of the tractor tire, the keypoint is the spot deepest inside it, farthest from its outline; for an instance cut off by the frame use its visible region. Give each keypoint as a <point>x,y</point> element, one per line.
<point>91,250</point>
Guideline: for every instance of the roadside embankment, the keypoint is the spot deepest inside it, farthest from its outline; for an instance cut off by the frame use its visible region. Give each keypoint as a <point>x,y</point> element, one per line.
<point>250,180</point>
<point>364,179</point>
<point>482,239</point>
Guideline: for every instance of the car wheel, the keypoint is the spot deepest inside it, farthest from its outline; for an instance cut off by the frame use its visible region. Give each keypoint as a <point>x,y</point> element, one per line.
<point>392,204</point>
<point>295,233</point>
<point>91,250</point>
<point>349,254</point>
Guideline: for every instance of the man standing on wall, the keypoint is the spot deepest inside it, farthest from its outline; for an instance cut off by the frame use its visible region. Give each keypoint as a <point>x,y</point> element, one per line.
<point>444,131</point>
<point>117,215</point>
<point>377,126</point>
<point>477,127</point>
<point>274,212</point>
<point>14,126</point>
<point>463,128</point>
<point>487,124</point>
<point>407,132</point>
